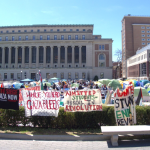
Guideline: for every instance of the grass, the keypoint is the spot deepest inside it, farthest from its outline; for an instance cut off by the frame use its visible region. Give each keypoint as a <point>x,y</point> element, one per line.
<point>49,131</point>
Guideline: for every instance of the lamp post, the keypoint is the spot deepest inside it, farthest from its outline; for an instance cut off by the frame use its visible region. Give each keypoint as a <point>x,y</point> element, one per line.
<point>21,74</point>
<point>37,76</point>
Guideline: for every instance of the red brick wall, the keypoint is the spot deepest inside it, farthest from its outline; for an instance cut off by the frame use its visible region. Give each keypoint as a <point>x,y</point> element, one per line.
<point>96,46</point>
<point>106,46</point>
<point>134,71</point>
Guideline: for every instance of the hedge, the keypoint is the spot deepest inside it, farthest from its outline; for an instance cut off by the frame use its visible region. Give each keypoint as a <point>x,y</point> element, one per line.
<point>73,120</point>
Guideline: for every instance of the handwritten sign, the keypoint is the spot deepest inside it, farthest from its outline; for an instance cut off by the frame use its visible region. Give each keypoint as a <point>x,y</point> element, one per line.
<point>83,101</point>
<point>41,103</point>
<point>124,106</point>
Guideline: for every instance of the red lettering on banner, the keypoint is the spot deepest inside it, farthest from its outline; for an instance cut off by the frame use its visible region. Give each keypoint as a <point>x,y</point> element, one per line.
<point>29,101</point>
<point>94,107</point>
<point>90,106</point>
<point>81,108</point>
<point>67,93</point>
<point>81,92</point>
<point>94,92</point>
<point>89,92</point>
<point>85,92</point>
<point>86,107</point>
<point>78,107</point>
<point>73,93</point>
<point>78,93</point>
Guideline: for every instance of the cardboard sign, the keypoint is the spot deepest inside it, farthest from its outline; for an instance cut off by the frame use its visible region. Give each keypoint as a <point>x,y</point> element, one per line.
<point>124,106</point>
<point>9,98</point>
<point>41,103</point>
<point>83,100</point>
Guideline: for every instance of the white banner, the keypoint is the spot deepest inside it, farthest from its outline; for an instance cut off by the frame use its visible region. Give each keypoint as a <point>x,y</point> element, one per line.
<point>124,106</point>
<point>83,100</point>
<point>41,103</point>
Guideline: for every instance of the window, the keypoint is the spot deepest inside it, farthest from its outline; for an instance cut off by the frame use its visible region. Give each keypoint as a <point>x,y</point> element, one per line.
<point>19,31</point>
<point>96,37</point>
<point>143,43</point>
<point>143,35</point>
<point>26,54</point>
<point>25,30</point>
<point>77,29</point>
<point>44,30</point>
<point>6,38</point>
<point>13,31</point>
<point>18,75</point>
<point>148,35</point>
<point>19,55</point>
<point>76,37</point>
<point>19,38</point>
<point>41,37</point>
<point>76,54</point>
<point>101,60</point>
<point>38,30</point>
<point>101,75</point>
<point>5,75</point>
<point>12,75</point>
<point>33,37</point>
<point>103,47</point>
<point>148,39</point>
<point>69,75</point>
<point>71,30</point>
<point>41,50</point>
<point>57,30</point>
<point>76,75</point>
<point>147,27</point>
<point>0,38</point>
<point>148,43</point>
<point>143,39</point>
<point>33,54</point>
<point>69,54</point>
<point>83,29</point>
<point>48,37</point>
<point>55,37</point>
<point>62,37</point>
<point>142,27</point>
<point>143,31</point>
<point>6,54</point>
<point>51,30</point>
<point>62,54</point>
<point>83,75</point>
<point>13,38</point>
<point>64,29</point>
<point>1,31</point>
<point>148,31</point>
<point>7,31</point>
<point>83,54</point>
<point>55,54</point>
<point>26,37</point>
<point>48,54</point>
<point>31,30</point>
<point>0,55</point>
<point>69,37</point>
<point>62,75</point>
<point>83,37</point>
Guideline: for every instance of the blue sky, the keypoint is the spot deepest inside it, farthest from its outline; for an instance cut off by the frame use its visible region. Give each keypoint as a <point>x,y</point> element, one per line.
<point>105,15</point>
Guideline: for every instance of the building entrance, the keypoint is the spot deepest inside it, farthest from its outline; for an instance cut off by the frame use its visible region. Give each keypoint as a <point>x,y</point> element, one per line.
<point>33,76</point>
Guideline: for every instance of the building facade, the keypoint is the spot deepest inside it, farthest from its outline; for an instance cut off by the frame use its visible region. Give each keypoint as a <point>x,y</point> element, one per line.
<point>63,51</point>
<point>138,66</point>
<point>135,35</point>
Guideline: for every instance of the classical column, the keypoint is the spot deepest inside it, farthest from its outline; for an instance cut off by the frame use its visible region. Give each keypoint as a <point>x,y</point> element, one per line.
<point>9,58</point>
<point>30,57</point>
<point>80,56</point>
<point>58,56</point>
<point>73,56</point>
<point>51,56</point>
<point>3,57</point>
<point>66,56</point>
<point>44,62</point>
<point>16,57</point>
<point>23,56</point>
<point>37,57</point>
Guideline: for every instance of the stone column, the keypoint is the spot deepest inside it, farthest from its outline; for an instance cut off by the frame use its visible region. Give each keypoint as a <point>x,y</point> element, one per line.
<point>30,56</point>
<point>23,56</point>
<point>44,62</point>
<point>58,56</point>
<point>16,57</point>
<point>51,56</point>
<point>79,56</point>
<point>37,57</point>
<point>66,57</point>
<point>73,56</point>
<point>9,58</point>
<point>3,57</point>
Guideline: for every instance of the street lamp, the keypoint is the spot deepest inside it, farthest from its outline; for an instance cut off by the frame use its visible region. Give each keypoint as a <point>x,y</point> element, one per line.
<point>37,76</point>
<point>21,74</point>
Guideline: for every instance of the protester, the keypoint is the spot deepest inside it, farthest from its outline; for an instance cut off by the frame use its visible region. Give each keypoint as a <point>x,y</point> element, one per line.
<point>45,87</point>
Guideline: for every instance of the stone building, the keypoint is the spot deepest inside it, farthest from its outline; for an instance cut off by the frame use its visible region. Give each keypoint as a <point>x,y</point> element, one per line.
<point>63,51</point>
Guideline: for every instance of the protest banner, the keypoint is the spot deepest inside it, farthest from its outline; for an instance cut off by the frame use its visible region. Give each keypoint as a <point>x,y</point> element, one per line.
<point>83,100</point>
<point>41,103</point>
<point>124,106</point>
<point>9,98</point>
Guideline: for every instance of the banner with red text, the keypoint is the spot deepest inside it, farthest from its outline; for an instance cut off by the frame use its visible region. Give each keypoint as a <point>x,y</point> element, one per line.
<point>41,103</point>
<point>9,98</point>
<point>124,106</point>
<point>83,100</point>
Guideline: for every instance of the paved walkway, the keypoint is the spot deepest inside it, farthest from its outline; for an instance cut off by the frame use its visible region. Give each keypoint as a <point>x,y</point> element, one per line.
<point>72,145</point>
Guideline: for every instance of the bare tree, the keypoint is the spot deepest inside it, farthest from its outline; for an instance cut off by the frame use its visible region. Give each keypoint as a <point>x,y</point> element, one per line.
<point>118,53</point>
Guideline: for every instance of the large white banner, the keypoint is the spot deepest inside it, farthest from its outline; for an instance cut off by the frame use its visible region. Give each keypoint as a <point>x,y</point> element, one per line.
<point>83,100</point>
<point>124,106</point>
<point>41,103</point>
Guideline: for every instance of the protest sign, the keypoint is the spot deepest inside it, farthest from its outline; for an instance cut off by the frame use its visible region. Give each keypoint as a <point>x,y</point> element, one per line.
<point>41,103</point>
<point>9,98</point>
<point>124,106</point>
<point>83,100</point>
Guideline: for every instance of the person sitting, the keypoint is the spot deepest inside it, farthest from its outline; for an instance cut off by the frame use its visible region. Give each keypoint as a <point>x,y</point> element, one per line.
<point>105,89</point>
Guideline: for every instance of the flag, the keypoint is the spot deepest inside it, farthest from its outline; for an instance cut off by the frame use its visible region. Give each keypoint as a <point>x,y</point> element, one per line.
<point>139,98</point>
<point>2,85</point>
<point>41,81</point>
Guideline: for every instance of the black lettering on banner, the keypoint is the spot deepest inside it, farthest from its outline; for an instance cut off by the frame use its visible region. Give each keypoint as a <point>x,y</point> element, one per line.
<point>117,103</point>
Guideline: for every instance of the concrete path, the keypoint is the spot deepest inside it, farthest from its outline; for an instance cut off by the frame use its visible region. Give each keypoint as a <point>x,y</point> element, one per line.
<point>72,145</point>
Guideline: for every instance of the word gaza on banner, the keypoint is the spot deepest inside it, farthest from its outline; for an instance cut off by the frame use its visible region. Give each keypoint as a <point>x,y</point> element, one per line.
<point>83,101</point>
<point>9,98</point>
<point>124,106</point>
<point>41,103</point>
